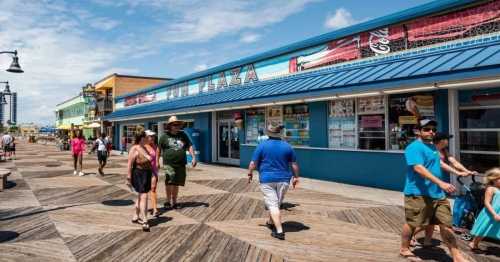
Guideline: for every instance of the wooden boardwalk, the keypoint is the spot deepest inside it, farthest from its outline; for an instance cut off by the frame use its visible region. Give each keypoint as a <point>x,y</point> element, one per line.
<point>48,214</point>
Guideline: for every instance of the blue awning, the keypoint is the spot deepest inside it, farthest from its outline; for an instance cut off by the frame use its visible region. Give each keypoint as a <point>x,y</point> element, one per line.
<point>449,62</point>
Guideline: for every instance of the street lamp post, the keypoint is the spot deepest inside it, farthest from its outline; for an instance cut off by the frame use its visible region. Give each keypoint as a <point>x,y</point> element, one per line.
<point>6,92</point>
<point>14,66</point>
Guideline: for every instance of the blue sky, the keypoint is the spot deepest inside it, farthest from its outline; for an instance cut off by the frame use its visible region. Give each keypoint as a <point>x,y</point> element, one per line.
<point>65,44</point>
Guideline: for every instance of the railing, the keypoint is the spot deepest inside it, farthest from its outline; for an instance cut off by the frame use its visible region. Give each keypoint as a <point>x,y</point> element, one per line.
<point>105,105</point>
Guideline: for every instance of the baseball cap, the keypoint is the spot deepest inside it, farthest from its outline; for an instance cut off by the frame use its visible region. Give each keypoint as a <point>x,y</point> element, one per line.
<point>427,122</point>
<point>149,133</point>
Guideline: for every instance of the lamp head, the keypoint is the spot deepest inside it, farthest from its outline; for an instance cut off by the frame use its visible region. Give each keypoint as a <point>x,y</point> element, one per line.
<point>14,66</point>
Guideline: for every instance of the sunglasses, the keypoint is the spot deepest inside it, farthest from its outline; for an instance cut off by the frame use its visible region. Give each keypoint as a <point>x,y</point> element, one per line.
<point>429,129</point>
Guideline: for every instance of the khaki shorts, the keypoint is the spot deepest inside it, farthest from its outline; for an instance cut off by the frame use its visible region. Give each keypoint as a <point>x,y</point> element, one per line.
<point>423,211</point>
<point>274,193</point>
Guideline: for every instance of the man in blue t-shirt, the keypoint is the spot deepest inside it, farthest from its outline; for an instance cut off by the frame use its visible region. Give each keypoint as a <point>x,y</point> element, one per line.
<point>425,199</point>
<point>275,160</point>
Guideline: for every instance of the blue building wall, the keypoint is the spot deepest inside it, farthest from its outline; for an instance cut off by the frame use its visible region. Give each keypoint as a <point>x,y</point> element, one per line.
<point>318,124</point>
<point>374,169</point>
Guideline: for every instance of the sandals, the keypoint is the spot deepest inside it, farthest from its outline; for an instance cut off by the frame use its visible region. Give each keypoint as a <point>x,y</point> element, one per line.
<point>155,214</point>
<point>136,221</point>
<point>145,226</point>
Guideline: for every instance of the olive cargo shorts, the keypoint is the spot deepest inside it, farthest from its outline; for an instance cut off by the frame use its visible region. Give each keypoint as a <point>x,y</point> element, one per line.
<point>423,211</point>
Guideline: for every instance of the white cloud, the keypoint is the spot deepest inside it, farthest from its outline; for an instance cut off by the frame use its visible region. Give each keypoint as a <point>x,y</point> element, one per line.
<point>200,67</point>
<point>250,38</point>
<point>57,56</point>
<point>204,20</point>
<point>201,20</point>
<point>102,23</point>
<point>341,18</point>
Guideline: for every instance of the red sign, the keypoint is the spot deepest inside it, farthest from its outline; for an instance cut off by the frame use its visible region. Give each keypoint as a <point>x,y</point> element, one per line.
<point>478,20</point>
<point>372,122</point>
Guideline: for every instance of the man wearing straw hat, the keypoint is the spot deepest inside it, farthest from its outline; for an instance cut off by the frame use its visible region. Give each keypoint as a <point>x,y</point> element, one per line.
<point>275,160</point>
<point>172,147</point>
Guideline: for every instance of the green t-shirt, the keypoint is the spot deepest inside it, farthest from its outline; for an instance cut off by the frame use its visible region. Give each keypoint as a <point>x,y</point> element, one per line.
<point>173,148</point>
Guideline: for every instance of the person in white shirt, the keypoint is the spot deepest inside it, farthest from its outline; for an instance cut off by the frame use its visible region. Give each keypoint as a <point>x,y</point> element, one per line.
<point>101,144</point>
<point>6,141</point>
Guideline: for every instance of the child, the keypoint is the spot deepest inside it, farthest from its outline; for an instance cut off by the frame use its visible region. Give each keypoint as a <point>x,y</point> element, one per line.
<point>488,222</point>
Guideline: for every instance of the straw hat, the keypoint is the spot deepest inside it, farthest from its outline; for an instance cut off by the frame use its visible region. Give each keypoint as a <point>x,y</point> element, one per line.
<point>173,119</point>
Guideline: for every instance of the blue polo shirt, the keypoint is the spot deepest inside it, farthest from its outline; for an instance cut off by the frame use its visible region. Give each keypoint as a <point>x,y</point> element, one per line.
<point>273,157</point>
<point>420,153</point>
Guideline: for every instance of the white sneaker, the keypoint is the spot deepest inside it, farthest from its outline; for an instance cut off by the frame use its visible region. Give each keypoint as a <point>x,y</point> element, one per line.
<point>81,174</point>
<point>74,173</point>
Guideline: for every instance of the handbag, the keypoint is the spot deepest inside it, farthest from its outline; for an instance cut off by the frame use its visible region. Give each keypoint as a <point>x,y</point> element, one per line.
<point>143,161</point>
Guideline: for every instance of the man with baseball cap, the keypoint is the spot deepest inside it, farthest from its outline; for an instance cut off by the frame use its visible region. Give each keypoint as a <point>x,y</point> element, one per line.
<point>425,192</point>
<point>274,158</point>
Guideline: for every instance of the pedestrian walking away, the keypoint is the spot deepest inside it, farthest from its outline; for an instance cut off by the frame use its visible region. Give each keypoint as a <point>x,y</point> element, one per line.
<point>123,145</point>
<point>139,178</point>
<point>13,148</point>
<point>172,147</point>
<point>276,163</point>
<point>425,191</point>
<point>109,145</point>
<point>6,141</point>
<point>153,152</point>
<point>101,144</point>
<point>487,223</point>
<point>77,149</point>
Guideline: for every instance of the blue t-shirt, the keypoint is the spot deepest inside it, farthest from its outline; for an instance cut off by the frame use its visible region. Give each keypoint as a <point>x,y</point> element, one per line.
<point>419,153</point>
<point>273,158</point>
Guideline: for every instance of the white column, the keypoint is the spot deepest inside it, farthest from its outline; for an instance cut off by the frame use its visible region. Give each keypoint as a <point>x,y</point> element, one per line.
<point>454,145</point>
<point>453,122</point>
<point>160,129</point>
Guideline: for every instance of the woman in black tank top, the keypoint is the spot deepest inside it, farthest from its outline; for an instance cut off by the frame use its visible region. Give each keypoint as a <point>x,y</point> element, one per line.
<point>139,178</point>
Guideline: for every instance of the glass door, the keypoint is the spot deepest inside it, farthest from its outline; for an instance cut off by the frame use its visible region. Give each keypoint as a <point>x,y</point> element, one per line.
<point>479,126</point>
<point>228,144</point>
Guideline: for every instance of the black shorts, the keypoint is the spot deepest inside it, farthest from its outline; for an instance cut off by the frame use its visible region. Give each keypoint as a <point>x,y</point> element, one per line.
<point>141,180</point>
<point>102,156</point>
<point>6,148</point>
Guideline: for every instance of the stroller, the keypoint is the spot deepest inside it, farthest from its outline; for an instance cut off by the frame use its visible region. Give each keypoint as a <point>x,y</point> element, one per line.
<point>468,206</point>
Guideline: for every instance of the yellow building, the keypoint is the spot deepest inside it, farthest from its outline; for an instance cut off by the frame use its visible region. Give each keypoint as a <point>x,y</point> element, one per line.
<point>110,87</point>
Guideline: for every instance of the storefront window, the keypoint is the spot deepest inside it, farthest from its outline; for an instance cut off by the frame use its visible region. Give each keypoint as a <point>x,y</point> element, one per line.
<point>479,122</point>
<point>274,114</point>
<point>404,112</point>
<point>255,124</point>
<point>342,124</point>
<point>129,133</point>
<point>371,123</point>
<point>296,122</point>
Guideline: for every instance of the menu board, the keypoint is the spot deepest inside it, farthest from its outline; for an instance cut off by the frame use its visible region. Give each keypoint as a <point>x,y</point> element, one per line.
<point>275,114</point>
<point>404,113</point>
<point>342,108</point>
<point>296,122</point>
<point>371,105</point>
<point>341,124</point>
<point>255,125</point>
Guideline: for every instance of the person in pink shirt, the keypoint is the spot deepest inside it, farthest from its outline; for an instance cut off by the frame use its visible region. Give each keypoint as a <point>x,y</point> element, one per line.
<point>77,149</point>
<point>152,149</point>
